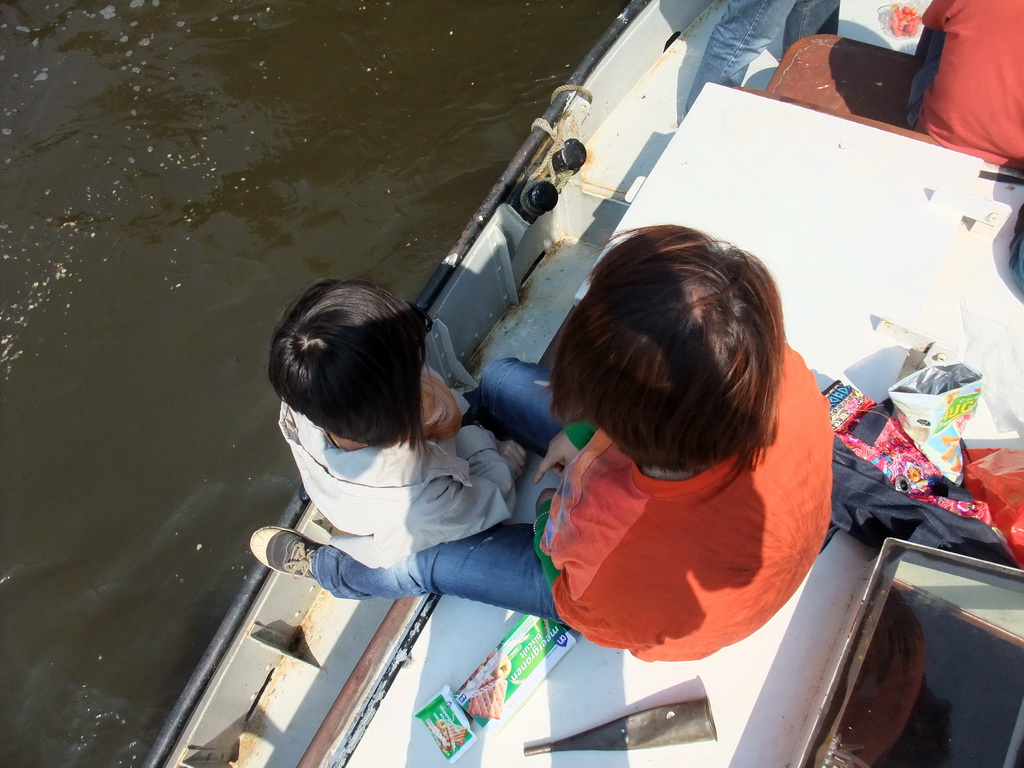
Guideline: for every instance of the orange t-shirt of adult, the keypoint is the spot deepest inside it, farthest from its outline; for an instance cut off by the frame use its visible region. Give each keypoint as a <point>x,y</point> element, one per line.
<point>976,102</point>
<point>676,570</point>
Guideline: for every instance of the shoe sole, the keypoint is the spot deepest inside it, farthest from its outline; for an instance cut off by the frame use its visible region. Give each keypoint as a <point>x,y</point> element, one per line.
<point>259,541</point>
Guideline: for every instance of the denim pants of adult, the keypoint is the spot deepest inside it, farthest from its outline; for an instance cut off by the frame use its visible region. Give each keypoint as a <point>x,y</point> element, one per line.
<point>749,26</point>
<point>514,399</point>
<point>929,51</point>
<point>498,566</point>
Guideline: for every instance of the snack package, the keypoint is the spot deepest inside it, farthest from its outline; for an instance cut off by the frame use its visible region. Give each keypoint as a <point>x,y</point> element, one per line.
<point>933,406</point>
<point>997,478</point>
<point>513,670</point>
<point>844,403</point>
<point>448,724</point>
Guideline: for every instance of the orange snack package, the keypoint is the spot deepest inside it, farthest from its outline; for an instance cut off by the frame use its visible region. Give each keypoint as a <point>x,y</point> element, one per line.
<point>997,478</point>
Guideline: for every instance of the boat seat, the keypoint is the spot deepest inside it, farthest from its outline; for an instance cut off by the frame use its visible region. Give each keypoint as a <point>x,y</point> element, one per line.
<point>850,79</point>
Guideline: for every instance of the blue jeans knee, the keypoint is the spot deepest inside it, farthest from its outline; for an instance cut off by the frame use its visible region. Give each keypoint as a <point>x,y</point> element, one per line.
<point>516,397</point>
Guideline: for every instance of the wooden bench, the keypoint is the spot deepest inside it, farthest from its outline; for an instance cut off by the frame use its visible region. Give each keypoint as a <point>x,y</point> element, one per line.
<point>850,79</point>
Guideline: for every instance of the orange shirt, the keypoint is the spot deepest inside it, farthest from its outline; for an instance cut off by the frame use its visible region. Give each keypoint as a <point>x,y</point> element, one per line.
<point>976,102</point>
<point>675,570</point>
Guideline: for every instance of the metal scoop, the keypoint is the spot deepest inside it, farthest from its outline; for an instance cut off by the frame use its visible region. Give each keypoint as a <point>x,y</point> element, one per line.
<point>681,723</point>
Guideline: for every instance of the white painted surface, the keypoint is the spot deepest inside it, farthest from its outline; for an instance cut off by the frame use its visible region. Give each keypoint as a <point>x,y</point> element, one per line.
<point>977,307</point>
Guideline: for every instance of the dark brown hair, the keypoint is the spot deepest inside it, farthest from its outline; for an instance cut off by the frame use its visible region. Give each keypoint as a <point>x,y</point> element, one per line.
<point>347,355</point>
<point>676,351</point>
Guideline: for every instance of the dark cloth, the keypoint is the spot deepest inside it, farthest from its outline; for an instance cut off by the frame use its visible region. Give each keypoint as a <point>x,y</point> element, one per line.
<point>870,509</point>
<point>1017,251</point>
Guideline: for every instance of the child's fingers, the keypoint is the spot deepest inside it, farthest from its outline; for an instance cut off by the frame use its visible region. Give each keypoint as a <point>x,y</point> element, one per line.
<point>561,452</point>
<point>518,451</point>
<point>514,454</point>
<point>549,462</point>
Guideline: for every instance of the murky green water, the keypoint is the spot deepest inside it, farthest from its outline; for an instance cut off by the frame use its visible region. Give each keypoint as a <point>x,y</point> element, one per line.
<point>170,173</point>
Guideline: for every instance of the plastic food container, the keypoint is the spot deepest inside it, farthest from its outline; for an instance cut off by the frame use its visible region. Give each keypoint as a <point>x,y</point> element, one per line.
<point>902,21</point>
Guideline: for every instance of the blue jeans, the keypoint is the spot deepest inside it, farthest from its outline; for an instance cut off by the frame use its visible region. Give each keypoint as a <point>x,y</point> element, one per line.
<point>498,566</point>
<point>749,26</point>
<point>514,398</point>
<point>929,50</point>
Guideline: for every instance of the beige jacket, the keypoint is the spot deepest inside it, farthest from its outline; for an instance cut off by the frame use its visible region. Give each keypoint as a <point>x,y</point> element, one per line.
<point>396,501</point>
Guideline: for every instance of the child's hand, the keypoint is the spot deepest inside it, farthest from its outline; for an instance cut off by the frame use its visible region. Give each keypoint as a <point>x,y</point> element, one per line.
<point>560,453</point>
<point>514,454</point>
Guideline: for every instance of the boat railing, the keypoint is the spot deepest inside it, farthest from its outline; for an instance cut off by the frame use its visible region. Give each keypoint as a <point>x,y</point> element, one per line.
<point>215,652</point>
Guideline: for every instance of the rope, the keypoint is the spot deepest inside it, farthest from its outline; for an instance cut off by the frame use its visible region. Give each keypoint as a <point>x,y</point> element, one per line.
<point>545,169</point>
<point>586,94</point>
<point>545,126</point>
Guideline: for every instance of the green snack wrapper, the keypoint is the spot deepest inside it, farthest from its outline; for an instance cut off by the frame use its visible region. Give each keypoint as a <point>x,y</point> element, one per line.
<point>448,724</point>
<point>513,670</point>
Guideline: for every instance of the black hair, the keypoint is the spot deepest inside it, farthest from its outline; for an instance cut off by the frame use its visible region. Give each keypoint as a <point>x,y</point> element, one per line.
<point>347,355</point>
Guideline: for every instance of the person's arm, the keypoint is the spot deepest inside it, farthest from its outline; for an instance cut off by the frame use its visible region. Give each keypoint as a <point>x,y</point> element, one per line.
<point>460,501</point>
<point>394,523</point>
<point>580,433</point>
<point>480,450</point>
<point>564,447</point>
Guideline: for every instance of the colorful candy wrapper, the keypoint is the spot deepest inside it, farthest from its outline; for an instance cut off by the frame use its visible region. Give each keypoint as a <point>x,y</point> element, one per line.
<point>844,403</point>
<point>513,670</point>
<point>933,406</point>
<point>448,724</point>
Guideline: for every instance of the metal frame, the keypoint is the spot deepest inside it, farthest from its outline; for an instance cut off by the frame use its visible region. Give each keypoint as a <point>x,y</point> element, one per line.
<point>894,552</point>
